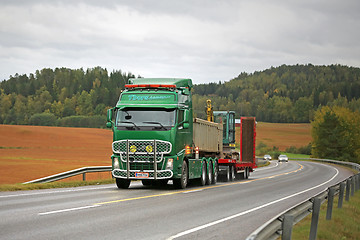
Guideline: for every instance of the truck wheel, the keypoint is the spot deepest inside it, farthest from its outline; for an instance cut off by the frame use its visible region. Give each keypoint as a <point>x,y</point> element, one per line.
<point>246,173</point>
<point>232,176</point>
<point>228,173</point>
<point>215,175</point>
<point>203,174</point>
<point>210,174</point>
<point>122,183</point>
<point>183,180</point>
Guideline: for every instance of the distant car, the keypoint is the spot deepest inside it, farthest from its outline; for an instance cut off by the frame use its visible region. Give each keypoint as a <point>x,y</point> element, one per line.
<point>283,158</point>
<point>267,157</point>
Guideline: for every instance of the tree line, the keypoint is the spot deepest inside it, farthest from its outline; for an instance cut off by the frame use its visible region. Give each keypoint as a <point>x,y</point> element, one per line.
<point>285,94</point>
<point>282,94</point>
<point>61,96</point>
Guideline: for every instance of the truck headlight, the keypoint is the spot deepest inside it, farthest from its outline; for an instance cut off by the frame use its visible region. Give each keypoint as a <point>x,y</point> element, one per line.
<point>116,163</point>
<point>170,163</point>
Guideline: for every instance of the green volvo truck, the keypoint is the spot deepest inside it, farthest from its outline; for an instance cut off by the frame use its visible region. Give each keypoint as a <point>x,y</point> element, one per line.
<point>156,138</point>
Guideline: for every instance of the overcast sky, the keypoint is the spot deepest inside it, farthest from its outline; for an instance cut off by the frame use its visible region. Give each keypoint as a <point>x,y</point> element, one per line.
<point>206,40</point>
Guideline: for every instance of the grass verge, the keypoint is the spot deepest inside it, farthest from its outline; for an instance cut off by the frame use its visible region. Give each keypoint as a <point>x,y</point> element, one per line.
<point>294,155</point>
<point>344,225</point>
<point>34,186</point>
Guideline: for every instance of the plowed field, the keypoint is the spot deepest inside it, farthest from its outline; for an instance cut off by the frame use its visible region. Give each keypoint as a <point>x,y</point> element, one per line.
<point>31,152</point>
<point>281,135</point>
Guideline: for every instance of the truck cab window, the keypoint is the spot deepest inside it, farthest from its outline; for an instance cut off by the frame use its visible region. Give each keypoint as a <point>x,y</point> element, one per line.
<point>145,119</point>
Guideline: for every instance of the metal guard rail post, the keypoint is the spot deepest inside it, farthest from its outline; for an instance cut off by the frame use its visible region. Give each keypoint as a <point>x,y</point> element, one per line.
<point>274,228</point>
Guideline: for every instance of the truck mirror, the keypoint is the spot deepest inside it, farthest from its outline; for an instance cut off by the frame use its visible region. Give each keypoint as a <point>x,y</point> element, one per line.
<point>109,114</point>
<point>109,124</point>
<point>186,125</point>
<point>186,116</point>
<point>186,91</point>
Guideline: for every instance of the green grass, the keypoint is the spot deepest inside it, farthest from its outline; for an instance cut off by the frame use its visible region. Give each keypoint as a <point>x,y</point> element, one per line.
<point>33,186</point>
<point>344,225</point>
<point>294,155</point>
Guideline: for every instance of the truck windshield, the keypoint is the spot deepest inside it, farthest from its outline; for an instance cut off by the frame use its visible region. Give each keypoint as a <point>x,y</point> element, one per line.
<point>145,119</point>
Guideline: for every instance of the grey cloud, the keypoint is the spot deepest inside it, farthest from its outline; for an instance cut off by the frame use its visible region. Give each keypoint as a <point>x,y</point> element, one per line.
<point>205,40</point>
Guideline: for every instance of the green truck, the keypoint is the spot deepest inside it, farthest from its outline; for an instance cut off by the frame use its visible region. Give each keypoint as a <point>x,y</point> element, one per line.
<point>156,139</point>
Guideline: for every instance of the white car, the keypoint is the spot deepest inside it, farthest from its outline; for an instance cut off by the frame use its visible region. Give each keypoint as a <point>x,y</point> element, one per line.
<point>283,158</point>
<point>267,157</point>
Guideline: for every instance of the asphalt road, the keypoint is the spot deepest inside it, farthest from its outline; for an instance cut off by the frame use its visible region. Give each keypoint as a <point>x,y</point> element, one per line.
<point>222,211</point>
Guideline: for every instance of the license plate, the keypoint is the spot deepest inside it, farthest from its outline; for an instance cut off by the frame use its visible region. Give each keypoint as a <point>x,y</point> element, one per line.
<point>141,175</point>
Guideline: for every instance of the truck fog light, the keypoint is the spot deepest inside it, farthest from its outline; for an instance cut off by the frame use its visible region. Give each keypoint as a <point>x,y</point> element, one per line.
<point>116,163</point>
<point>169,164</point>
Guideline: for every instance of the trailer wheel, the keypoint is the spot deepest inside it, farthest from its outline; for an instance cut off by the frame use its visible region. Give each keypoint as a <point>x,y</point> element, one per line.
<point>122,183</point>
<point>228,173</point>
<point>216,174</point>
<point>203,174</point>
<point>210,174</point>
<point>232,176</point>
<point>246,173</point>
<point>183,180</point>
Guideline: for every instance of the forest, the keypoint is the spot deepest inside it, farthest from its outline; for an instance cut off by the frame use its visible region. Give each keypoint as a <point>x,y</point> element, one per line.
<point>285,94</point>
<point>78,97</point>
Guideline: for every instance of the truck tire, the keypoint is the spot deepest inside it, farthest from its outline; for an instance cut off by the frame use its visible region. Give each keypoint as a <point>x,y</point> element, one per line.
<point>216,174</point>
<point>122,183</point>
<point>182,182</point>
<point>203,174</point>
<point>210,174</point>
<point>246,173</point>
<point>228,174</point>
<point>232,173</point>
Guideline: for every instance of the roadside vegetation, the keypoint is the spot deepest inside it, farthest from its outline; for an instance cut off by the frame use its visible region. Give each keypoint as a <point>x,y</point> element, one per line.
<point>344,225</point>
<point>336,134</point>
<point>291,152</point>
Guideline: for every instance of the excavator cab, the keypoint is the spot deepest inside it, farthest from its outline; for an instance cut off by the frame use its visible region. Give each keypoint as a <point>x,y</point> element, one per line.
<point>227,119</point>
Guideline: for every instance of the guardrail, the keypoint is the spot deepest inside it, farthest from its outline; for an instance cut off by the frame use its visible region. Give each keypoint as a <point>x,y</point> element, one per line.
<point>282,224</point>
<point>71,173</point>
<point>78,171</point>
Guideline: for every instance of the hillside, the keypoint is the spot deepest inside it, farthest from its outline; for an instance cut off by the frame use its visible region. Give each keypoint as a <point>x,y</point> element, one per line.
<point>284,94</point>
<point>77,97</point>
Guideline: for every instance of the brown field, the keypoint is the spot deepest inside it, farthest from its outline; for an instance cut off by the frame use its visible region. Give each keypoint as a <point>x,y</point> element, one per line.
<point>31,152</point>
<point>281,135</point>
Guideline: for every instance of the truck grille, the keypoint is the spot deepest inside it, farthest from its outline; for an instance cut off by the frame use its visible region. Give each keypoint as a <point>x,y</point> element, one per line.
<point>141,150</point>
<point>162,174</point>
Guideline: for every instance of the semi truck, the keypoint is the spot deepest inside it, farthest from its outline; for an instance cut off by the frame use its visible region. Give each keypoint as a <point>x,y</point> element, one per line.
<point>156,138</point>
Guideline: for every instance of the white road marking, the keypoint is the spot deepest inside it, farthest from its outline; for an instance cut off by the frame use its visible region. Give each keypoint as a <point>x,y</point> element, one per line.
<point>249,211</point>
<point>199,190</point>
<point>68,210</point>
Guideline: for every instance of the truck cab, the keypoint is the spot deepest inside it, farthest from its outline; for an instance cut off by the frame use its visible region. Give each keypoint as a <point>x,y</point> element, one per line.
<point>152,130</point>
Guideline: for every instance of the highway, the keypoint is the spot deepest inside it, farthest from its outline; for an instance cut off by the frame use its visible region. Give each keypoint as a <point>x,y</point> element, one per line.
<point>223,211</point>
